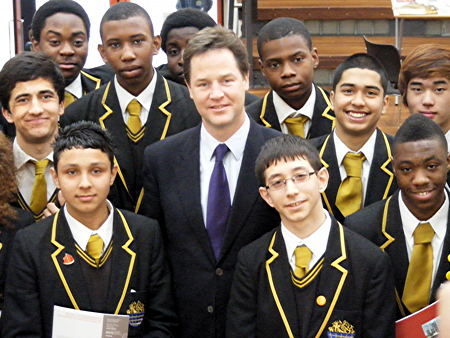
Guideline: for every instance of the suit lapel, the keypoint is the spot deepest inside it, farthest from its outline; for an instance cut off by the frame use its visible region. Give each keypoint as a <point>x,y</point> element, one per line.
<point>322,115</point>
<point>123,259</point>
<point>89,82</point>
<point>268,114</point>
<point>70,275</point>
<point>279,279</point>
<point>381,177</point>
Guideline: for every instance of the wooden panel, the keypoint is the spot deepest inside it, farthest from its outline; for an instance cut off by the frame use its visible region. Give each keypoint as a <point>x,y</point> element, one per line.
<point>323,10</point>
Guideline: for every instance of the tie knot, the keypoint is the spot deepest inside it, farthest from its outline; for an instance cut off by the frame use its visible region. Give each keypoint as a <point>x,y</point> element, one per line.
<point>302,257</point>
<point>302,119</point>
<point>40,166</point>
<point>94,246</point>
<point>353,164</point>
<point>423,234</point>
<point>220,152</point>
<point>134,107</point>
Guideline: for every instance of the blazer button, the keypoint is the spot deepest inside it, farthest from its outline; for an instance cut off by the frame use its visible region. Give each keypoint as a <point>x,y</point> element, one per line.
<point>219,272</point>
<point>448,258</point>
<point>210,309</point>
<point>321,300</point>
<point>447,275</point>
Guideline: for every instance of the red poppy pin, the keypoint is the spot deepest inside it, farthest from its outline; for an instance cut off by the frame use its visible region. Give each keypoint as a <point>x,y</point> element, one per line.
<point>68,259</point>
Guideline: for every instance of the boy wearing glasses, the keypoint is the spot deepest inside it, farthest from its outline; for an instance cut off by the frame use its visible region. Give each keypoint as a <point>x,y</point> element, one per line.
<point>310,276</point>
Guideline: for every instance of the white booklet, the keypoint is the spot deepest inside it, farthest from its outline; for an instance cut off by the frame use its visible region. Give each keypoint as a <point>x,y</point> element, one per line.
<point>71,323</point>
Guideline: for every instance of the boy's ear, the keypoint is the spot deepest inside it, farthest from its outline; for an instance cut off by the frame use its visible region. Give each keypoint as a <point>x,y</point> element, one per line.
<point>156,44</point>
<point>385,104</point>
<point>265,196</point>
<point>113,174</point>
<point>55,177</point>
<point>101,50</point>
<point>323,177</point>
<point>332,99</point>
<point>315,57</point>
<point>7,114</point>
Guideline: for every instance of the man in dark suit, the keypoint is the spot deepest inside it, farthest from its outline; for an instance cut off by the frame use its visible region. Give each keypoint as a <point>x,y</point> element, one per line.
<point>357,154</point>
<point>310,277</point>
<point>89,256</point>
<point>163,107</point>
<point>421,162</point>
<point>200,185</point>
<point>294,105</point>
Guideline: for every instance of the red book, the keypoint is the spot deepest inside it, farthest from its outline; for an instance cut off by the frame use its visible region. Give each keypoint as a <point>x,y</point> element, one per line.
<point>420,324</point>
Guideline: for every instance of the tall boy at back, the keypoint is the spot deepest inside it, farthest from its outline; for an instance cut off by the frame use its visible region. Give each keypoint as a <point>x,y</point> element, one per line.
<point>357,154</point>
<point>294,105</point>
<point>139,106</point>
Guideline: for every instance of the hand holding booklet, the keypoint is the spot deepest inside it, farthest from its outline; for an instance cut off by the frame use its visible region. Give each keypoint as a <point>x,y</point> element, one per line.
<point>71,323</point>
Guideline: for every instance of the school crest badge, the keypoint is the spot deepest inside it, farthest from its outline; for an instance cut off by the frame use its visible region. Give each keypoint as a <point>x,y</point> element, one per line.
<point>341,329</point>
<point>136,312</point>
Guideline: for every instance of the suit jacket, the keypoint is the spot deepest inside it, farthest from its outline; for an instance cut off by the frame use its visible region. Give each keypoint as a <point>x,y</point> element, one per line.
<point>172,195</point>
<point>94,78</point>
<point>22,204</point>
<point>381,223</point>
<point>355,284</point>
<point>381,182</point>
<point>263,112</point>
<point>171,111</point>
<point>38,279</point>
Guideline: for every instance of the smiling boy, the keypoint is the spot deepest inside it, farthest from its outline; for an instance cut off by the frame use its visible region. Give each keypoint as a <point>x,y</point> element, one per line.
<point>419,208</point>
<point>357,154</point>
<point>88,256</point>
<point>295,105</point>
<point>138,107</point>
<point>310,277</point>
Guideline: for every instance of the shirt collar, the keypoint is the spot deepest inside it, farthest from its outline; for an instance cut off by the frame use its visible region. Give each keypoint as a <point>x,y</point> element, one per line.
<point>145,97</point>
<point>236,143</point>
<point>21,157</point>
<point>82,233</point>
<point>438,221</point>
<point>367,149</point>
<point>284,110</point>
<point>75,87</point>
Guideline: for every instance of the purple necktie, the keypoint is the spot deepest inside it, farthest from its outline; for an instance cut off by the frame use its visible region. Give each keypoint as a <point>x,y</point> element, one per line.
<point>219,203</point>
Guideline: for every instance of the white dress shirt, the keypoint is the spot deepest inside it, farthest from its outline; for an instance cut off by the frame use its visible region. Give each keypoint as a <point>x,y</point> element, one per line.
<point>316,242</point>
<point>438,222</point>
<point>284,110</point>
<point>75,87</point>
<point>232,160</point>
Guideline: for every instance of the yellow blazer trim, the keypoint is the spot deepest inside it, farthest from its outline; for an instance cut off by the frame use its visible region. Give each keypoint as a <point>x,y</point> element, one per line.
<point>328,108</point>
<point>263,111</point>
<point>24,205</point>
<point>1,246</point>
<point>101,120</point>
<point>389,238</point>
<point>336,264</point>
<point>98,81</point>
<point>326,165</point>
<point>60,247</point>
<point>272,286</point>
<point>139,201</point>
<point>131,265</point>
<point>385,164</point>
<point>163,106</point>
<point>310,275</point>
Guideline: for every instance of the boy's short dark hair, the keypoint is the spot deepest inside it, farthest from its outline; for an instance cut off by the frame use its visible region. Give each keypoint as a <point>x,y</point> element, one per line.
<point>211,38</point>
<point>83,135</point>
<point>424,61</point>
<point>285,148</point>
<point>29,66</point>
<point>363,61</point>
<point>186,17</point>
<point>124,11</point>
<point>417,128</point>
<point>281,28</point>
<point>53,7</point>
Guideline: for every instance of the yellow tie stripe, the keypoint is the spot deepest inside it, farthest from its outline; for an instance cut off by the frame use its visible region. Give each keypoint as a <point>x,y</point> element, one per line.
<point>296,125</point>
<point>349,196</point>
<point>94,247</point>
<point>69,98</point>
<point>302,258</point>
<point>416,294</point>
<point>39,192</point>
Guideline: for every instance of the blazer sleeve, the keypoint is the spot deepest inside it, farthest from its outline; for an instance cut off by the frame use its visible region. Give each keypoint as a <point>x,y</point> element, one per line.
<point>241,313</point>
<point>21,315</point>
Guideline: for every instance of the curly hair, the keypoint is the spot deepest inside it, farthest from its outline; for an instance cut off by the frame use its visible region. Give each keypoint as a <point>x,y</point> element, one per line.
<point>9,183</point>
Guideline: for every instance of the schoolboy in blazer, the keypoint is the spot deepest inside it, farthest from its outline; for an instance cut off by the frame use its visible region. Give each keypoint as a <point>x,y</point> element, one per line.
<point>88,256</point>
<point>178,176</point>
<point>166,108</point>
<point>344,286</point>
<point>421,163</point>
<point>288,60</point>
<point>359,99</point>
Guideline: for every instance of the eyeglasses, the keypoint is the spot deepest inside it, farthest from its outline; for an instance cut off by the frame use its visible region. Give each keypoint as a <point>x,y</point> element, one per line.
<point>297,179</point>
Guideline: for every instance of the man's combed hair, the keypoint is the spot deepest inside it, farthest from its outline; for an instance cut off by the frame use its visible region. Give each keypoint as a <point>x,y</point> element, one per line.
<point>285,148</point>
<point>9,183</point>
<point>124,11</point>
<point>281,28</point>
<point>424,62</point>
<point>211,38</point>
<point>186,17</point>
<point>83,135</point>
<point>53,7</point>
<point>29,66</point>
<point>417,128</point>
<point>362,61</point>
